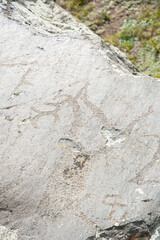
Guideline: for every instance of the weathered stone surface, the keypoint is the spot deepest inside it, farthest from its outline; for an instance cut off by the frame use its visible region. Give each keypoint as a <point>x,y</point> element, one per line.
<point>6,234</point>
<point>79,140</point>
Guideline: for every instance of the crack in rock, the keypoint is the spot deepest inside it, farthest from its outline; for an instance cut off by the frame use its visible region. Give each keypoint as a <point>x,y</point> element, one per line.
<point>5,209</point>
<point>130,231</point>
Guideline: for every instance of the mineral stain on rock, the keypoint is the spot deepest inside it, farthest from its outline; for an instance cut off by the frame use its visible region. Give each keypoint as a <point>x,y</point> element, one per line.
<point>80,159</point>
<point>78,155</point>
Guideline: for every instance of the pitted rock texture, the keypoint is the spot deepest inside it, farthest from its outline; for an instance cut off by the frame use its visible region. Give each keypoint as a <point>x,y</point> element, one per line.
<point>156,234</point>
<point>47,18</point>
<point>7,234</point>
<point>64,96</point>
<point>113,135</point>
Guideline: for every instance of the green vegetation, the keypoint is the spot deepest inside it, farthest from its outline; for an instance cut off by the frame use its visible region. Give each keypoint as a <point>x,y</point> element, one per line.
<point>139,34</point>
<point>78,8</point>
<point>140,40</point>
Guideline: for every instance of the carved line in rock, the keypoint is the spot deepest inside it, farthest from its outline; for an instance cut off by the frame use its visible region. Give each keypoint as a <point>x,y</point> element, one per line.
<point>71,101</point>
<point>140,118</point>
<point>22,82</point>
<point>88,220</point>
<point>140,175</point>
<point>113,201</point>
<point>12,64</point>
<point>98,113</point>
<point>68,143</point>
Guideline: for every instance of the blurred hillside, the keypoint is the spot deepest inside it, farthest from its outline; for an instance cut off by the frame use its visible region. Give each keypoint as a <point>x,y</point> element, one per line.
<point>133,26</point>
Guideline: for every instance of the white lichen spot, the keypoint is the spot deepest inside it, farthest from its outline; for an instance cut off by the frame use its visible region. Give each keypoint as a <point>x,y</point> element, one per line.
<point>113,136</point>
<point>7,234</point>
<point>116,224</point>
<point>139,190</point>
<point>156,234</point>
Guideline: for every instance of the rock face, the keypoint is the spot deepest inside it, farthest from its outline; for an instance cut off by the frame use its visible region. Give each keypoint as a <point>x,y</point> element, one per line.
<point>79,132</point>
<point>6,234</point>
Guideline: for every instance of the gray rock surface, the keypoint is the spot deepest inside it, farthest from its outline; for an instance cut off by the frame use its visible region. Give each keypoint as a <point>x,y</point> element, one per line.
<point>79,131</point>
<point>7,234</point>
